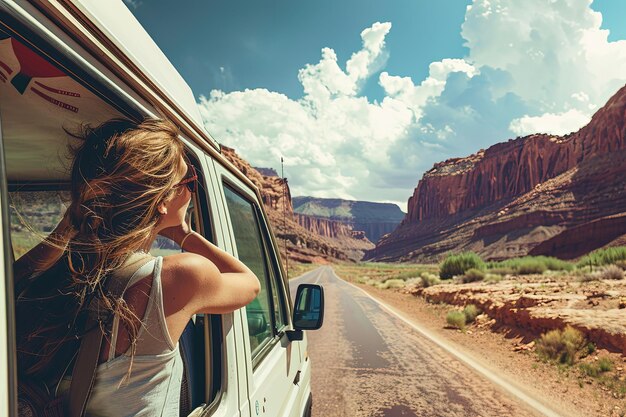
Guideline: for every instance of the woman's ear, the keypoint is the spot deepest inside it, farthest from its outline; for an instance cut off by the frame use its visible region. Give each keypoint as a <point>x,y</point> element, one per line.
<point>162,209</point>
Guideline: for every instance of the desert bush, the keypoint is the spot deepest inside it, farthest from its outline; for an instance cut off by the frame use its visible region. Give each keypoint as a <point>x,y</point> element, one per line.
<point>611,272</point>
<point>621,264</point>
<point>391,283</point>
<point>562,346</point>
<point>594,370</point>
<point>471,312</point>
<point>530,265</point>
<point>605,364</point>
<point>493,277</point>
<point>602,257</point>
<point>499,270</point>
<point>589,276</point>
<point>428,279</point>
<point>456,318</point>
<point>591,347</point>
<point>473,275</point>
<point>459,264</point>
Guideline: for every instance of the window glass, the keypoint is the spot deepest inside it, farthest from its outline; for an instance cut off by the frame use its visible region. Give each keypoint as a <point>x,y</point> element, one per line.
<point>277,295</point>
<point>251,252</point>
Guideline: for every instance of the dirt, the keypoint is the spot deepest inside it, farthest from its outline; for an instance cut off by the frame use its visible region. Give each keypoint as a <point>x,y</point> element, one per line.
<point>510,353</point>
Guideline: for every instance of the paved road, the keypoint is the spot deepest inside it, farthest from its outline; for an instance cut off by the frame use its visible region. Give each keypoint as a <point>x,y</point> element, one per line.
<point>369,362</point>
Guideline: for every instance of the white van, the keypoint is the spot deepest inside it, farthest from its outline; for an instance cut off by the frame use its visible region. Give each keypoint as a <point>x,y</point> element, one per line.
<point>64,63</point>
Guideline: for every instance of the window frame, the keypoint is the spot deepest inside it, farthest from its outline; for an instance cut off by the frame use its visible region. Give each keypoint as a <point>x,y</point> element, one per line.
<point>270,342</point>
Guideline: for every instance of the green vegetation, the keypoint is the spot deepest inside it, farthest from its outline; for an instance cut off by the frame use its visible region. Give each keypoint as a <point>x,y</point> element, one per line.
<point>459,264</point>
<point>429,279</point>
<point>595,369</point>
<point>456,319</point>
<point>470,312</point>
<point>529,265</point>
<point>602,257</point>
<point>473,275</point>
<point>562,346</point>
<point>391,283</point>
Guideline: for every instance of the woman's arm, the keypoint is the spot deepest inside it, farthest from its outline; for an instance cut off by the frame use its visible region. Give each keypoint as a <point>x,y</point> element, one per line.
<point>196,243</point>
<point>45,254</point>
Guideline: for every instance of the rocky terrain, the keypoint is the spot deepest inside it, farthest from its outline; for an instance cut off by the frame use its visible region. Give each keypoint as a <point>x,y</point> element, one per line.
<point>535,304</point>
<point>306,238</point>
<point>540,194</point>
<point>374,219</point>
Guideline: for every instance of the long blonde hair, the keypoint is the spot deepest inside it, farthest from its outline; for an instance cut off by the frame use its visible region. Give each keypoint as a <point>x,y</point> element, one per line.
<point>120,173</point>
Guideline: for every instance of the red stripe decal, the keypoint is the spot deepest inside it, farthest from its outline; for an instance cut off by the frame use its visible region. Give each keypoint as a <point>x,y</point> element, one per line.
<point>55,101</point>
<point>3,77</point>
<point>6,68</point>
<point>57,91</point>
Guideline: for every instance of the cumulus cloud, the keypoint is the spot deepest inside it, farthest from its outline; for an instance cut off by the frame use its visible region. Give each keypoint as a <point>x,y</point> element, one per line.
<point>532,66</point>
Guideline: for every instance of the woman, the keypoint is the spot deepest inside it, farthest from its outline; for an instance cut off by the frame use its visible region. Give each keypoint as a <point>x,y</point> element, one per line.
<point>129,184</point>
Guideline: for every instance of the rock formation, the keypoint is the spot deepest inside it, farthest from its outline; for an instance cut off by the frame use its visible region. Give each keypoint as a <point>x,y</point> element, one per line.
<point>307,238</point>
<point>375,219</point>
<point>533,194</point>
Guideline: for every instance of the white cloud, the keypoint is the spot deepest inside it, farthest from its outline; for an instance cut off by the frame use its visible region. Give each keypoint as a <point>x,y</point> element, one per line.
<point>533,66</point>
<point>554,124</point>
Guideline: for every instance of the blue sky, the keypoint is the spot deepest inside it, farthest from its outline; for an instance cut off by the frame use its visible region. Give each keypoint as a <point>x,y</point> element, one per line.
<point>362,97</point>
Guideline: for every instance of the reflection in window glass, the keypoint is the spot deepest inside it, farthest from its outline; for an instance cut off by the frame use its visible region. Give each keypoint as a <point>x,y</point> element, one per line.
<point>250,251</point>
<point>34,214</point>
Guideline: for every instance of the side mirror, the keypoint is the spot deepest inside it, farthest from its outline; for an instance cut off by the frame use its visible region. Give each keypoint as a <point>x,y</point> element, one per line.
<point>308,313</point>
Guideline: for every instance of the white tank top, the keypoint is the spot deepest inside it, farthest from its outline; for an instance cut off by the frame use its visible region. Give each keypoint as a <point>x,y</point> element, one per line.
<point>153,388</point>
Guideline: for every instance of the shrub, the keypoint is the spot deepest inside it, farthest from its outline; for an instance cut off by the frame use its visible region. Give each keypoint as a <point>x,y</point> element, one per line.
<point>589,276</point>
<point>473,275</point>
<point>429,279</point>
<point>391,283</point>
<point>595,369</point>
<point>493,278</point>
<point>621,264</point>
<point>530,265</point>
<point>591,347</point>
<point>612,272</point>
<point>561,345</point>
<point>471,312</point>
<point>456,318</point>
<point>602,257</point>
<point>459,264</point>
<point>605,364</point>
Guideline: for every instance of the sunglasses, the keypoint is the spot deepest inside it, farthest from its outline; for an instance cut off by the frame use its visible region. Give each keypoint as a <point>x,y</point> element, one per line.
<point>190,180</point>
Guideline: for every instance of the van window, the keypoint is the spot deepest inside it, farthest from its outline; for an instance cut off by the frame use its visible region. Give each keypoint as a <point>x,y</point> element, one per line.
<point>38,102</point>
<point>266,313</point>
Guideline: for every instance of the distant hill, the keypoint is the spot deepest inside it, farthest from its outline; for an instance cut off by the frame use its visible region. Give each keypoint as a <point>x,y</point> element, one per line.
<point>375,219</point>
<point>268,172</point>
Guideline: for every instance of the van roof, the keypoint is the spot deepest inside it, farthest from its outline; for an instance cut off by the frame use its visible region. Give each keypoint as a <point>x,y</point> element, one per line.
<point>116,21</point>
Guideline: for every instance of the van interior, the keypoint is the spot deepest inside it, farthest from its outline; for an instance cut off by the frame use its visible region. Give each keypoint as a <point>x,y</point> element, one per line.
<point>39,103</point>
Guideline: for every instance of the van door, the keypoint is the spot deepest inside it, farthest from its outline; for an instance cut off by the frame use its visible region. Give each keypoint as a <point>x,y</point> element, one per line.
<point>273,362</point>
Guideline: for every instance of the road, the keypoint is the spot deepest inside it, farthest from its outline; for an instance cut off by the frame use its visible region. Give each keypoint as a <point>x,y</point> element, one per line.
<point>369,361</point>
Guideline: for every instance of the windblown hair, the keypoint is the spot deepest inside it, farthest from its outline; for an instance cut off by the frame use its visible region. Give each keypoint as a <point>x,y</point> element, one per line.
<point>120,173</point>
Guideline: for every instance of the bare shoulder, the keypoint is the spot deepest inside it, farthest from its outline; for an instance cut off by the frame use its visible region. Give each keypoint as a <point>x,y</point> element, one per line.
<point>188,265</point>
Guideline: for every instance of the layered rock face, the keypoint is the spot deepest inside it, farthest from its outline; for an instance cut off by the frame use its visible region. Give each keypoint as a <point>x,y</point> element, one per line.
<point>306,238</point>
<point>527,195</point>
<point>375,219</point>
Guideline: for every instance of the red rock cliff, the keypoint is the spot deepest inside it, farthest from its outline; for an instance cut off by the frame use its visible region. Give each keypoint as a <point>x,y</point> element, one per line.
<point>309,238</point>
<point>538,195</point>
<point>512,168</point>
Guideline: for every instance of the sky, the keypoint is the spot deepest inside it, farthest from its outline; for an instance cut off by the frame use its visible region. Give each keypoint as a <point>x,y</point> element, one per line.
<point>361,97</point>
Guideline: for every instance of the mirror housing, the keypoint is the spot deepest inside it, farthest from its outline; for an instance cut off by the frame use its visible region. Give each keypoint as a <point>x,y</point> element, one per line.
<point>308,311</point>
